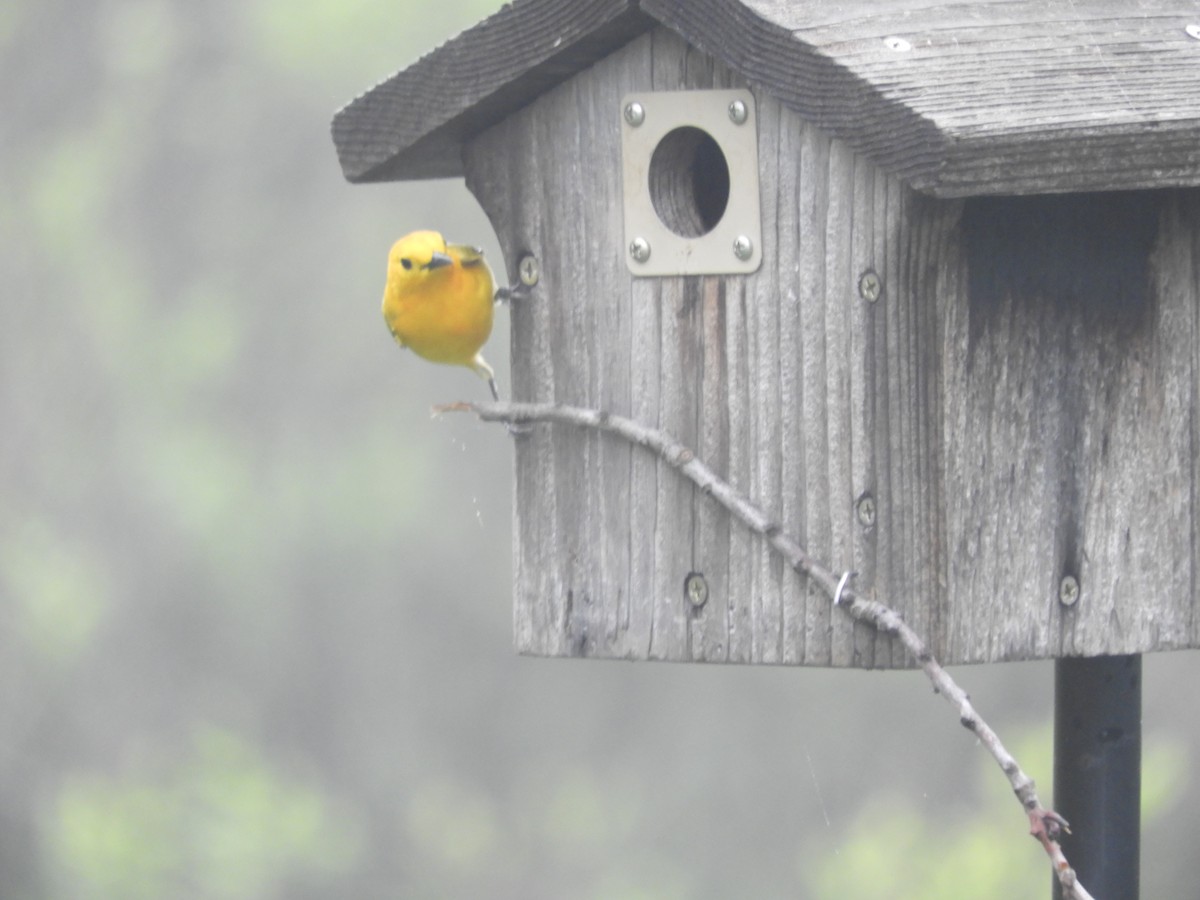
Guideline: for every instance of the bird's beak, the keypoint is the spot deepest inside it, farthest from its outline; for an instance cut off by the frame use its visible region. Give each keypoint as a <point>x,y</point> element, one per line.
<point>438,260</point>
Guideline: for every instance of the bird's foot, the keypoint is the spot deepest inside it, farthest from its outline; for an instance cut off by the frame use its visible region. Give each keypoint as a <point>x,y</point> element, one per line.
<point>513,429</point>
<point>509,294</point>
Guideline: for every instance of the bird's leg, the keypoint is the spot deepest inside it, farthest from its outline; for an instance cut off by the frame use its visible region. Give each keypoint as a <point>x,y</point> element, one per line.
<point>504,295</point>
<point>483,370</point>
<point>509,294</point>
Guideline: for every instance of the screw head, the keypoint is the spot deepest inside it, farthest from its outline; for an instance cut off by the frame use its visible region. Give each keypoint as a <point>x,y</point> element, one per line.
<point>639,249</point>
<point>898,44</point>
<point>870,286</point>
<point>1068,590</point>
<point>1193,31</point>
<point>529,270</point>
<point>695,588</point>
<point>635,113</point>
<point>865,510</point>
<point>738,113</point>
<point>743,247</point>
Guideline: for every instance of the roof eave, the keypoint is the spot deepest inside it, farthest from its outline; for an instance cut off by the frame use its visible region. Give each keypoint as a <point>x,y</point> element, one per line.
<point>403,128</point>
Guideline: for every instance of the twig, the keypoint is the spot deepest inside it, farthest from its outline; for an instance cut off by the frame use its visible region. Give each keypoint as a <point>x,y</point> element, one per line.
<point>1045,824</point>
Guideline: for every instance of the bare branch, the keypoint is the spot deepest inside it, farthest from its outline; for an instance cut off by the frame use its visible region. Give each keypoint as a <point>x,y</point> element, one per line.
<point>1045,825</point>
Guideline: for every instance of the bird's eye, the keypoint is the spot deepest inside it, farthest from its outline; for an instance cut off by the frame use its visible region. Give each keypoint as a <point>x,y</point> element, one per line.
<point>407,263</point>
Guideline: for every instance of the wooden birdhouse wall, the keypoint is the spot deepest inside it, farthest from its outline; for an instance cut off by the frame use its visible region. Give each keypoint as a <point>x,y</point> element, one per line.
<point>1070,367</point>
<point>1013,411</point>
<point>821,405</point>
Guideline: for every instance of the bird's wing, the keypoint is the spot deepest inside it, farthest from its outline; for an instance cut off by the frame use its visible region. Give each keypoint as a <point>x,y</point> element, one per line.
<point>466,254</point>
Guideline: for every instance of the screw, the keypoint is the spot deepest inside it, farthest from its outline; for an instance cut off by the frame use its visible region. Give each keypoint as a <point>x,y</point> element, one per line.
<point>1193,31</point>
<point>529,270</point>
<point>899,44</point>
<point>695,588</point>
<point>738,113</point>
<point>743,247</point>
<point>639,249</point>
<point>869,286</point>
<point>635,113</point>
<point>1068,590</point>
<point>865,509</point>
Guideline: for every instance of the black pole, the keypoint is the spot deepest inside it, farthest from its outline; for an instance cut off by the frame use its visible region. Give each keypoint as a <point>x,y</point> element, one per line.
<point>1098,770</point>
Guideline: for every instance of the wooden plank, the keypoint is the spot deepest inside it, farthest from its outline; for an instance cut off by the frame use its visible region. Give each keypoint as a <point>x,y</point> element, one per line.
<point>1070,417</point>
<point>611,340</point>
<point>744,548</point>
<point>860,339</point>
<point>709,636</point>
<point>812,198</point>
<point>633,68</point>
<point>1180,273</point>
<point>930,265</point>
<point>679,355</point>
<point>769,377</point>
<point>840,301</point>
<point>778,293</point>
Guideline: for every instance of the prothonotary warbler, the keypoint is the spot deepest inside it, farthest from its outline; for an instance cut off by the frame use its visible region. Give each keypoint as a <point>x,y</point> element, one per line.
<point>438,301</point>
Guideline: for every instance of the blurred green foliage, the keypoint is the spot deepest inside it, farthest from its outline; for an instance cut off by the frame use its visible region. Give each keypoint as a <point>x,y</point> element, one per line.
<point>58,594</point>
<point>219,823</point>
<point>903,849</point>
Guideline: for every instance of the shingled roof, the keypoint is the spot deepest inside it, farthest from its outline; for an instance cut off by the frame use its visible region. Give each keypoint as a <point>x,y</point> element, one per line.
<point>957,98</point>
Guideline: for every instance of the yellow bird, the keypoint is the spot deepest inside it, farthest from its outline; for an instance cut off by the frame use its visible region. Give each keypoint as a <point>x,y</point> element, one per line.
<point>438,301</point>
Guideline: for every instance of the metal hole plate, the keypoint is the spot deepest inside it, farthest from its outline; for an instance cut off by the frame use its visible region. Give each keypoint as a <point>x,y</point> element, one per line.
<point>723,250</point>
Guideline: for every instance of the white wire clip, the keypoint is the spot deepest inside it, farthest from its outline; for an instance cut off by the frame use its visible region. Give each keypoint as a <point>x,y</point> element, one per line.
<point>837,595</point>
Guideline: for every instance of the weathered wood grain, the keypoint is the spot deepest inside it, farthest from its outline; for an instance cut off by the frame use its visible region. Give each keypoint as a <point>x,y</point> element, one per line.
<point>991,98</point>
<point>1018,403</point>
<point>1070,398</point>
<point>765,376</point>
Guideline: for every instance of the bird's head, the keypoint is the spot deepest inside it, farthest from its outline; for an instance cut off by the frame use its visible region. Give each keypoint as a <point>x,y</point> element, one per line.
<point>415,256</point>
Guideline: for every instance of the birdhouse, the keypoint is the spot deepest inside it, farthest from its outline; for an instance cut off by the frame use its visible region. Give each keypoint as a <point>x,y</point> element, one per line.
<point>923,281</point>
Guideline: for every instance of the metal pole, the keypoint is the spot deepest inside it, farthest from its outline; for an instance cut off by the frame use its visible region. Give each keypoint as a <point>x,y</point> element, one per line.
<point>1097,770</point>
